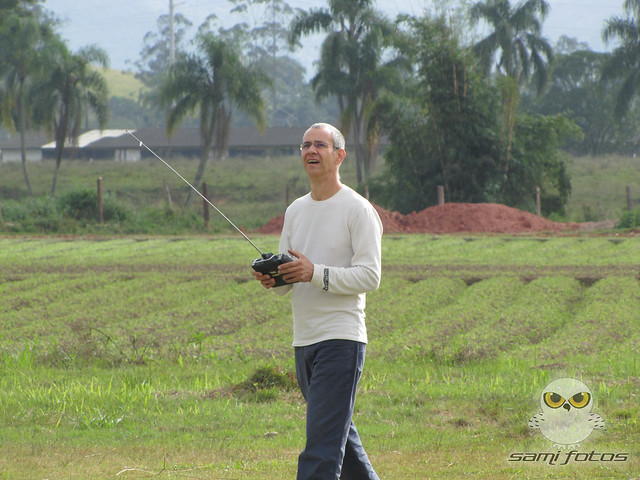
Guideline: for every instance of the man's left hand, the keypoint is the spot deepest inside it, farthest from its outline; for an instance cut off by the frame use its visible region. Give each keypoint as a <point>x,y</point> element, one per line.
<point>300,270</point>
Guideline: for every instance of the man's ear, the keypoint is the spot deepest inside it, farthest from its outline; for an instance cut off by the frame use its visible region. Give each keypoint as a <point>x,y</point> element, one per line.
<point>342,153</point>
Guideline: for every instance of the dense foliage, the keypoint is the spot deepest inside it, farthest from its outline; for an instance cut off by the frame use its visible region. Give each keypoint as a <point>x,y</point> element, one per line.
<point>446,130</point>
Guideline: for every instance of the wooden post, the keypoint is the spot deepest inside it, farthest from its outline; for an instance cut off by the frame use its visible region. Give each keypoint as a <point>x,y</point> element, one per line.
<point>169,201</point>
<point>1,221</point>
<point>538,211</point>
<point>100,204</point>
<point>629,200</point>
<point>440,194</point>
<point>366,192</point>
<point>205,205</point>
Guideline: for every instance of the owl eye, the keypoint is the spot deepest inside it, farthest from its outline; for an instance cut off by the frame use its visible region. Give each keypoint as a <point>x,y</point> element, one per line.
<point>580,400</point>
<point>553,400</point>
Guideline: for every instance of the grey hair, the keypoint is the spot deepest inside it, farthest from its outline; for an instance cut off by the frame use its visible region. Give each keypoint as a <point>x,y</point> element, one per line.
<point>336,135</point>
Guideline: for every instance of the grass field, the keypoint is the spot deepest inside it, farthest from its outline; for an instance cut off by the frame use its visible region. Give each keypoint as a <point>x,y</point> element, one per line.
<point>248,190</point>
<point>137,357</point>
<point>599,186</point>
<point>252,190</point>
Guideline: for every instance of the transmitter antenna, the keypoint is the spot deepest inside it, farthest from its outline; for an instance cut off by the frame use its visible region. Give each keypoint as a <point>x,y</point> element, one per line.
<point>142,144</point>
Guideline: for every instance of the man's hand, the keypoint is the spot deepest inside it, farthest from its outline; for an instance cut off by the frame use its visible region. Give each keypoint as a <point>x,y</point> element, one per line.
<point>265,279</point>
<point>300,270</point>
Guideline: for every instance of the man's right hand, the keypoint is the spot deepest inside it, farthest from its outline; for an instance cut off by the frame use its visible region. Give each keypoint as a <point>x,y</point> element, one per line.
<point>265,279</point>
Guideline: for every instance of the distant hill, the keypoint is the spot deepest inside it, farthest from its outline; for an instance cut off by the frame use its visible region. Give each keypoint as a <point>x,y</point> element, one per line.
<point>122,83</point>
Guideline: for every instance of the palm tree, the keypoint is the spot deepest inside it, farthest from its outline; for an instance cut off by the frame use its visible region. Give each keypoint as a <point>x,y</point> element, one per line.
<point>350,66</point>
<point>625,60</point>
<point>212,82</point>
<point>516,34</point>
<point>20,37</point>
<point>69,88</point>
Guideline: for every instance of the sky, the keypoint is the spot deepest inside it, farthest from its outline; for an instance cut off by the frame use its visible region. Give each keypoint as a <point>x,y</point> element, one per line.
<point>118,26</point>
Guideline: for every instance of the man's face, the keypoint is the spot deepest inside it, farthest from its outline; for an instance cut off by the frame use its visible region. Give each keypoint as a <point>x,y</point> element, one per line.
<point>319,156</point>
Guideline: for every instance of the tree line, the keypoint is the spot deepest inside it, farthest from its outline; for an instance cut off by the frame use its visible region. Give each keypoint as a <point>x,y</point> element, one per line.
<point>489,117</point>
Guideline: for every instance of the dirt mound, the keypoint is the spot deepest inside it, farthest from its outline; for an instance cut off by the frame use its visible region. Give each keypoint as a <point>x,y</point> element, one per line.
<point>273,226</point>
<point>456,218</point>
<point>481,217</point>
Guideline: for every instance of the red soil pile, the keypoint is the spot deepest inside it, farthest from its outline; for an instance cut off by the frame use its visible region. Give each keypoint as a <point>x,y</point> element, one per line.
<point>456,218</point>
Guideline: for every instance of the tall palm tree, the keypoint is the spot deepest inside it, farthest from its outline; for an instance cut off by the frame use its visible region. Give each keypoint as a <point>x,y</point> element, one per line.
<point>211,83</point>
<point>624,62</point>
<point>350,66</point>
<point>516,32</point>
<point>20,37</point>
<point>69,88</point>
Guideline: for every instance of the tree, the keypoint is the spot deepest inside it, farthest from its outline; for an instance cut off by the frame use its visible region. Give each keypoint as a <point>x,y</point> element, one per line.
<point>538,163</point>
<point>154,61</point>
<point>15,6</point>
<point>517,34</point>
<point>212,83</point>
<point>444,129</point>
<point>21,37</point>
<point>350,67</point>
<point>264,37</point>
<point>441,128</point>
<point>577,90</point>
<point>68,89</point>
<point>625,59</point>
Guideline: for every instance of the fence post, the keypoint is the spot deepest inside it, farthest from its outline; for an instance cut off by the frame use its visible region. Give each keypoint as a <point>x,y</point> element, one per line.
<point>166,189</point>
<point>629,200</point>
<point>538,210</point>
<point>205,205</point>
<point>440,194</point>
<point>100,204</point>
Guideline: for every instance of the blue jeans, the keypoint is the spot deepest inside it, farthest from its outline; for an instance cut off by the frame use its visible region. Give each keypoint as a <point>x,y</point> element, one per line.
<point>328,374</point>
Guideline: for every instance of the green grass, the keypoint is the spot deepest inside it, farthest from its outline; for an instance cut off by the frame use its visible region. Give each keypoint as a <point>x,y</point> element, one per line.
<point>599,187</point>
<point>129,357</point>
<point>252,190</point>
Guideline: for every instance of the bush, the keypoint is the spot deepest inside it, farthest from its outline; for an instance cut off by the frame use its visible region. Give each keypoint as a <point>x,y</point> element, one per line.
<point>83,205</point>
<point>630,219</point>
<point>66,214</point>
<point>34,214</point>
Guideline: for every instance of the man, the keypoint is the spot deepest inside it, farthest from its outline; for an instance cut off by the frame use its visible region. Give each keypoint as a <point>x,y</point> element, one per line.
<point>334,235</point>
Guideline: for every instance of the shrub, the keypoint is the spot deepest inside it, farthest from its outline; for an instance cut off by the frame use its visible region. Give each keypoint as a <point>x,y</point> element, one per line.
<point>630,219</point>
<point>83,205</point>
<point>34,214</point>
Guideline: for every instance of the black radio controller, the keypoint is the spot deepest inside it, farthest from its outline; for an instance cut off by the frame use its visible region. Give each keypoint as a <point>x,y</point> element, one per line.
<point>269,264</point>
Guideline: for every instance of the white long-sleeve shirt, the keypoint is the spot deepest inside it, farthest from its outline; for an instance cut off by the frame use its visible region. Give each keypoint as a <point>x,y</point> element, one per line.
<point>342,237</point>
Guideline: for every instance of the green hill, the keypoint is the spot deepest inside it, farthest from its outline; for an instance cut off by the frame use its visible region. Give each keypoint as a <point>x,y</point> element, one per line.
<point>122,83</point>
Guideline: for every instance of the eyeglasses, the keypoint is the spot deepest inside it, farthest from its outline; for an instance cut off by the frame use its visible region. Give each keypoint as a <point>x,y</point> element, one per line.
<point>318,144</point>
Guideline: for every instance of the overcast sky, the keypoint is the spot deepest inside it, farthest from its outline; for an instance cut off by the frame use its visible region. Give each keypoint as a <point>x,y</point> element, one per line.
<point>118,26</point>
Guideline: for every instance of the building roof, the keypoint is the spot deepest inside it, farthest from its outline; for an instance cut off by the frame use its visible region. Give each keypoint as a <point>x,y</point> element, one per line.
<point>32,140</point>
